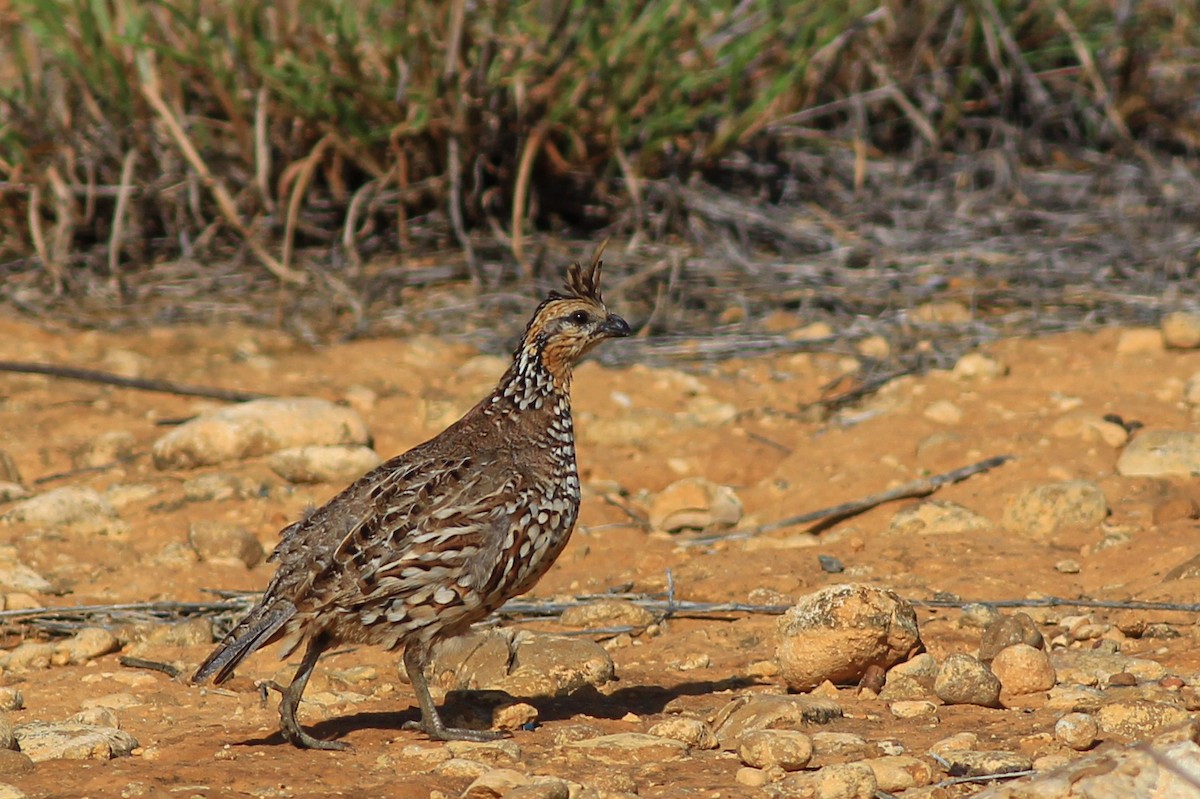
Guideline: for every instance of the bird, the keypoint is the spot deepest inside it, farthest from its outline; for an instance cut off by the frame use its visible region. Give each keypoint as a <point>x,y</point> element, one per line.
<point>431,541</point>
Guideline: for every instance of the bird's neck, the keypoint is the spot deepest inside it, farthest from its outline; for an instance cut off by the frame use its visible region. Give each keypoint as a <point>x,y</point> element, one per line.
<point>534,381</point>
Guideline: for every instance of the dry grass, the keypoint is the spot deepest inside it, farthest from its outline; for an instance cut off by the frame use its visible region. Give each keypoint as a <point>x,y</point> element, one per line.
<point>133,133</point>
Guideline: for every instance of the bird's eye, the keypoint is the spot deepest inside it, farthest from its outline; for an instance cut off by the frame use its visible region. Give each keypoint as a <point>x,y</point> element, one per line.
<point>579,318</point>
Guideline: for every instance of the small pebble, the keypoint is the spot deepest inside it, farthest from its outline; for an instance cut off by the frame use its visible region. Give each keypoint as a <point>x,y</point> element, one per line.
<point>1077,730</point>
<point>1067,566</point>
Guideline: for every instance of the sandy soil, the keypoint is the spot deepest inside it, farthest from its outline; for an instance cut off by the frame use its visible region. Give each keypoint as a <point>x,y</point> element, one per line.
<point>639,430</point>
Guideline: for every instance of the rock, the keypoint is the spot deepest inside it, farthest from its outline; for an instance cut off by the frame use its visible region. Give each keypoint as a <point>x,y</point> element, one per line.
<point>104,449</point>
<point>492,752</point>
<point>16,576</point>
<point>329,464</point>
<point>7,739</point>
<point>11,698</point>
<point>541,788</point>
<point>1191,390</point>
<point>942,313</point>
<point>840,781</point>
<point>13,763</point>
<point>876,347</point>
<point>963,680</point>
<point>1166,767</point>
<point>839,632</point>
<point>936,517</point>
<point>29,655</point>
<point>788,749</point>
<point>1023,670</point>
<point>913,709</point>
<point>1137,719</point>
<point>9,472</point>
<point>979,614</point>
<point>11,792</point>
<point>513,716</point>
<point>1140,341</point>
<point>523,664</point>
<point>258,428</point>
<point>1077,730</point>
<point>843,744</point>
<point>977,366</point>
<point>1091,667</point>
<point>694,503</point>
<point>751,777</point>
<point>1181,330</point>
<point>495,783</point>
<point>221,542</point>
<point>602,613</point>
<point>895,773</point>
<point>87,644</point>
<point>770,712</point>
<point>1091,428</point>
<point>1154,453</point>
<point>943,412</point>
<point>219,486</point>
<point>912,679</point>
<point>10,492</point>
<point>1046,509</point>
<point>101,716</point>
<point>1005,631</point>
<point>695,733</point>
<point>68,740</point>
<point>75,508</point>
<point>627,747</point>
<point>978,763</point>
<point>958,742</point>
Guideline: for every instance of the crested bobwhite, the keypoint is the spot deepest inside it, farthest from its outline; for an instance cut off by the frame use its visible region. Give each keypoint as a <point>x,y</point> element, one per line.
<point>432,541</point>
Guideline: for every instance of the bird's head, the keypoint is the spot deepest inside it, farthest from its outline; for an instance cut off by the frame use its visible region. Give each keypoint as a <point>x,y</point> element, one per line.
<point>569,323</point>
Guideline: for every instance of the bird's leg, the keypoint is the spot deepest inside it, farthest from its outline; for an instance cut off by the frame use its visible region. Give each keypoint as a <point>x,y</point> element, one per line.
<point>288,726</point>
<point>415,658</point>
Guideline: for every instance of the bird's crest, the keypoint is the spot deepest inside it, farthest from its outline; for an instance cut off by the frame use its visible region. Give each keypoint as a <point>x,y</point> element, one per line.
<point>584,282</point>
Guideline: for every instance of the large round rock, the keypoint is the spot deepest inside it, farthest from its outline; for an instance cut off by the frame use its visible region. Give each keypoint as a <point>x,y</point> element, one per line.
<point>839,632</point>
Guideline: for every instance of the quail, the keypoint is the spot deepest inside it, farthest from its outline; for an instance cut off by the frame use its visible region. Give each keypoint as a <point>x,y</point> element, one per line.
<point>428,543</point>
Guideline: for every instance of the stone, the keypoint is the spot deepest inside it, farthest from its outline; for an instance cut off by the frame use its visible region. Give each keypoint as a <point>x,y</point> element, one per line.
<point>1005,631</point>
<point>327,464</point>
<point>913,709</point>
<point>1043,510</point>
<point>1090,427</point>
<point>11,492</point>
<point>16,576</point>
<point>912,679</point>
<point>11,698</point>
<point>523,664</point>
<point>694,503</point>
<point>979,614</point>
<point>695,733</point>
<point>1023,670</point>
<point>943,412</point>
<point>1137,719</point>
<point>492,752</point>
<point>1181,330</point>
<point>963,680</point>
<point>968,763</point>
<point>104,449</point>
<point>219,541</point>
<point>936,517</point>
<point>788,749</point>
<point>11,792</point>
<point>605,613</point>
<point>87,644</point>
<point>13,763</point>
<point>840,632</point>
<point>895,773</point>
<point>946,312</point>
<point>1157,453</point>
<point>977,366</point>
<point>513,716</point>
<point>751,777</point>
<point>541,787</point>
<point>68,740</point>
<point>770,712</point>
<point>627,747</point>
<point>259,427</point>
<point>839,781</point>
<point>958,742</point>
<point>1077,730</point>
<point>1140,341</point>
<point>1191,391</point>
<point>76,509</point>
<point>1165,767</point>
<point>1093,667</point>
<point>219,486</point>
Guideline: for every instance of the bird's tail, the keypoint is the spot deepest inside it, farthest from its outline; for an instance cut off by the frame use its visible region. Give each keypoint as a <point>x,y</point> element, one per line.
<point>253,632</point>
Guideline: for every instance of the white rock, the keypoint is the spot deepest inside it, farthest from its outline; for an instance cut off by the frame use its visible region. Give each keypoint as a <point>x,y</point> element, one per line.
<point>913,709</point>
<point>1077,730</point>
<point>837,633</point>
<point>976,365</point>
<point>258,428</point>
<point>329,464</point>
<point>695,503</point>
<point>1154,453</point>
<point>1046,509</point>
<point>1181,330</point>
<point>943,412</point>
<point>936,517</point>
<point>76,508</point>
<point>66,740</point>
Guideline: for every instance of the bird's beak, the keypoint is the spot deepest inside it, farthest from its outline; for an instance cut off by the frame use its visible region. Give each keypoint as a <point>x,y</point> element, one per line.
<point>614,327</point>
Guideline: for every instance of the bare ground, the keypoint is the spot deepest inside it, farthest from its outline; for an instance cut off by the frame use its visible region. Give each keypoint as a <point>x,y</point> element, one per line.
<point>198,743</point>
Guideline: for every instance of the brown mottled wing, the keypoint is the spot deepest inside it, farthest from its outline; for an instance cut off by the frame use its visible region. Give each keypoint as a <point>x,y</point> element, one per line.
<point>420,551</point>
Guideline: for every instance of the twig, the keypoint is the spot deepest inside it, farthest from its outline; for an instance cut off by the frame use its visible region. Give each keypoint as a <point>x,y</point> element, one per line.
<point>915,488</point>
<point>1004,775</point>
<point>458,10</point>
<point>118,224</point>
<point>521,191</point>
<point>152,665</point>
<point>145,384</point>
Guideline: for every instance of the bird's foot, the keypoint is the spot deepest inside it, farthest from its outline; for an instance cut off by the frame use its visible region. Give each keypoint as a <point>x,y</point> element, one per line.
<point>289,728</point>
<point>440,732</point>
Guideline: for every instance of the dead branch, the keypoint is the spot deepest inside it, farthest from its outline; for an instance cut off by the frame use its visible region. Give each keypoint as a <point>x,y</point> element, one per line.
<point>145,384</point>
<point>916,488</point>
